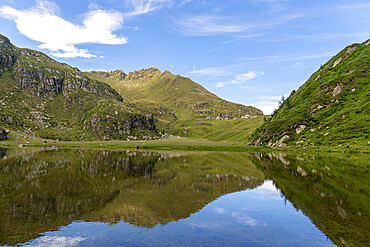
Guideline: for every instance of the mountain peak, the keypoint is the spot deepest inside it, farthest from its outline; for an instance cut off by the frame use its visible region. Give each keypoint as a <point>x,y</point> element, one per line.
<point>4,41</point>
<point>143,74</point>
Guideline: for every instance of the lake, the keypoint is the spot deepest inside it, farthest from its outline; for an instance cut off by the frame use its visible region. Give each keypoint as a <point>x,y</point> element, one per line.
<point>75,197</point>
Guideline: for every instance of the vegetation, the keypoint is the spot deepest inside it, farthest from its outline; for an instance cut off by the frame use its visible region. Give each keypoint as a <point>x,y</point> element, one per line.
<point>330,189</point>
<point>43,189</point>
<point>41,97</point>
<point>331,109</point>
<point>181,106</point>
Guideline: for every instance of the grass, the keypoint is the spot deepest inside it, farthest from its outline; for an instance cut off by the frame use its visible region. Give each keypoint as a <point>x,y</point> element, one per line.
<point>153,102</point>
<point>182,144</point>
<point>65,114</point>
<point>184,105</point>
<point>331,119</point>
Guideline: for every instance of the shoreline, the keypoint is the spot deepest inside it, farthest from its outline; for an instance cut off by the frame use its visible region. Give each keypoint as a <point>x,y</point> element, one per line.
<point>175,145</point>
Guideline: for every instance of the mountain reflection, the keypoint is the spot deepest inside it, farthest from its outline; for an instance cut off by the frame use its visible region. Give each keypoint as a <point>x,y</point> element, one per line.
<point>42,190</point>
<point>332,190</point>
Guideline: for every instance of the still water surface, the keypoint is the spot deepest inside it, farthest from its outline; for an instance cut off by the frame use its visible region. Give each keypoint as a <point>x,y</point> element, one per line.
<point>129,198</point>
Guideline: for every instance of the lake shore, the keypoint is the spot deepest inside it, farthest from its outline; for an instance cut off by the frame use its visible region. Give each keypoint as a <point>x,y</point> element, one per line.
<point>184,144</point>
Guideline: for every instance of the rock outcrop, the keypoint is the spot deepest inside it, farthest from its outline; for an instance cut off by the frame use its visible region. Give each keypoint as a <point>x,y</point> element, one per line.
<point>3,134</point>
<point>43,97</point>
<point>109,127</point>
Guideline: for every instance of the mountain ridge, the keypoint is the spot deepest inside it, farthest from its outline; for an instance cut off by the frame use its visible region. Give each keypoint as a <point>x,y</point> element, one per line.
<point>195,111</point>
<point>42,97</point>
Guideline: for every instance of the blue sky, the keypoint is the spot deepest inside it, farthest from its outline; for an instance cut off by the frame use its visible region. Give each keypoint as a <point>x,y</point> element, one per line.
<point>245,51</point>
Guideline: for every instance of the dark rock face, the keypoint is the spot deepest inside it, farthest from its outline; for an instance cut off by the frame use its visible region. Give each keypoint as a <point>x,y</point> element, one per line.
<point>3,134</point>
<point>45,77</point>
<point>2,152</point>
<point>48,82</point>
<point>7,59</point>
<point>109,127</point>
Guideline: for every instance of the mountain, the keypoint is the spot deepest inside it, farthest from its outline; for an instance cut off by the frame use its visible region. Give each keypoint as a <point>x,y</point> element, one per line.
<point>331,109</point>
<point>45,98</point>
<point>182,106</point>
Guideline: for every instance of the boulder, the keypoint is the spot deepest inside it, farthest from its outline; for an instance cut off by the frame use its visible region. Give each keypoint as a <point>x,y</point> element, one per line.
<point>3,134</point>
<point>300,128</point>
<point>281,143</point>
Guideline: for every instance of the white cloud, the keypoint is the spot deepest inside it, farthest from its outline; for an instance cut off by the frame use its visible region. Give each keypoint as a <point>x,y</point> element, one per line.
<point>267,104</point>
<point>244,219</point>
<point>42,23</point>
<point>241,78</point>
<point>210,71</point>
<point>142,7</point>
<point>204,25</point>
<point>56,241</point>
<point>185,2</point>
<point>220,210</point>
<point>268,185</point>
<point>220,84</point>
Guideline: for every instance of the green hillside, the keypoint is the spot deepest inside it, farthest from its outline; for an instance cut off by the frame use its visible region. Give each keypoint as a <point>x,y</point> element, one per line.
<point>44,98</point>
<point>183,107</point>
<point>40,97</point>
<point>331,109</point>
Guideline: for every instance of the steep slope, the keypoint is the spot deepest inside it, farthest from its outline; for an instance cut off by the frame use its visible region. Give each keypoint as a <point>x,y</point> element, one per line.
<point>331,108</point>
<point>45,98</point>
<point>185,107</point>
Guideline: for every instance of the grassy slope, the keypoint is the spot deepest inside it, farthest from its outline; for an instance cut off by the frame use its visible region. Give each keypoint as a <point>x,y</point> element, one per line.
<point>61,116</point>
<point>188,102</point>
<point>343,118</point>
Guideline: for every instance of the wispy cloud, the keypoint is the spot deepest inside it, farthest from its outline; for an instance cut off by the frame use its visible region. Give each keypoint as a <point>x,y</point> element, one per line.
<point>289,57</point>
<point>42,23</point>
<point>276,5</point>
<point>207,25</point>
<point>241,78</point>
<point>204,25</point>
<point>182,3</point>
<point>315,37</point>
<point>211,71</point>
<point>142,7</point>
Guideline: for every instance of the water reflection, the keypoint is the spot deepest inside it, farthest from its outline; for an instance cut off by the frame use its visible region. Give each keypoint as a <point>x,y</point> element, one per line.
<point>42,190</point>
<point>2,153</point>
<point>174,195</point>
<point>332,190</point>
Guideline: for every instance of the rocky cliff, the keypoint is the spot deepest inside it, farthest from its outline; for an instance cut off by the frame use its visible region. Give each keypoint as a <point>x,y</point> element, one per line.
<point>45,98</point>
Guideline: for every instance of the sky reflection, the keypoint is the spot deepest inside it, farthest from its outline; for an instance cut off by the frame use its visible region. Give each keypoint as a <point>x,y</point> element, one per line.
<point>253,217</point>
